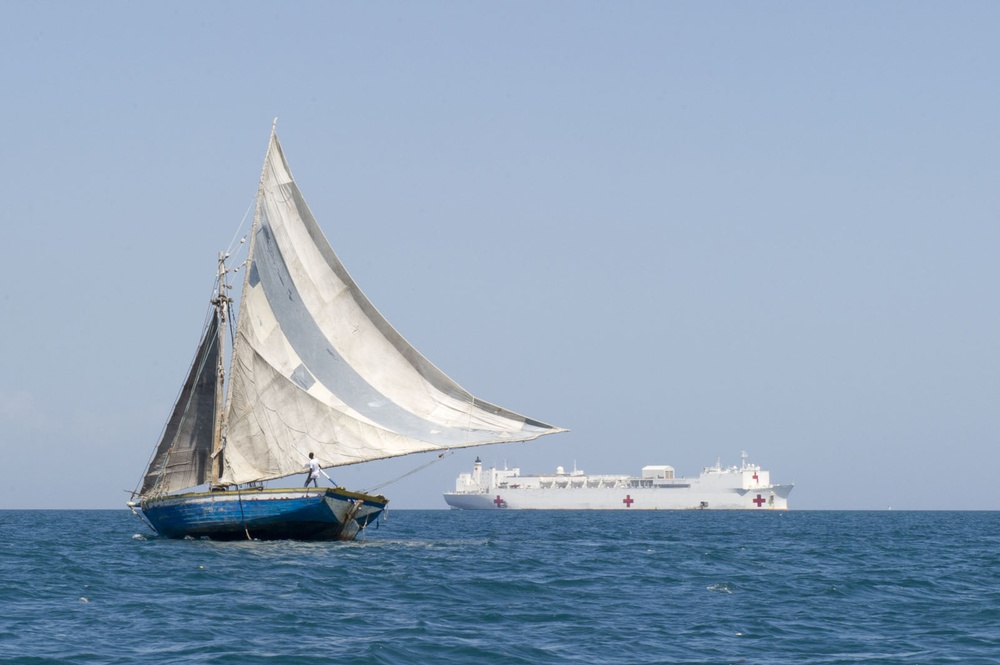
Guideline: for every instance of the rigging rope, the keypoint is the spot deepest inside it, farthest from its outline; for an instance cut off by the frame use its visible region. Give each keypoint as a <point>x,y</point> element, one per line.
<point>232,243</point>
<point>239,496</point>
<point>409,473</point>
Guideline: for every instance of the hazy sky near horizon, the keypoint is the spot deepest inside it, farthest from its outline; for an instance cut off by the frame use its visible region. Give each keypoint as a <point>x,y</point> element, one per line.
<point>679,229</point>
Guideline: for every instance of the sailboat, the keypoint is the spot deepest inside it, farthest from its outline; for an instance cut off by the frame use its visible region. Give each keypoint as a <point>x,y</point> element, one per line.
<point>313,368</point>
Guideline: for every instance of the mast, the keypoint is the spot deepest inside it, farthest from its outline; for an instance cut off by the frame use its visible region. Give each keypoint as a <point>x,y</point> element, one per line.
<point>221,302</point>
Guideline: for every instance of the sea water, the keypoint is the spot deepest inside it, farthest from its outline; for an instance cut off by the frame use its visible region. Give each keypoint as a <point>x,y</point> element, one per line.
<point>511,587</point>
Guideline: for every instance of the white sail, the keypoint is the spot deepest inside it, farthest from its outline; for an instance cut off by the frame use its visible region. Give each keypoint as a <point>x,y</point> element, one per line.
<point>317,369</point>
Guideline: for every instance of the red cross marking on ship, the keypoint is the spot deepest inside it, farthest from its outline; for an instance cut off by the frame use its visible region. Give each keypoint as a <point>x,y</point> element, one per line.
<point>498,501</point>
<point>759,500</point>
<point>755,475</point>
<point>628,500</point>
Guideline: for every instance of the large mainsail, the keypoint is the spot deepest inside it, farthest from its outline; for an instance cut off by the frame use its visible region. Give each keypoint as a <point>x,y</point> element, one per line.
<point>181,459</point>
<point>317,369</point>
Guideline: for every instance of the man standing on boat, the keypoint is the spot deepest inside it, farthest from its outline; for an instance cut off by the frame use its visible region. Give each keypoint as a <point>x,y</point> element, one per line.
<point>314,471</point>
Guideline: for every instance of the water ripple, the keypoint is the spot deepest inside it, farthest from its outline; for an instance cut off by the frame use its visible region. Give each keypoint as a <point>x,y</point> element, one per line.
<point>820,588</point>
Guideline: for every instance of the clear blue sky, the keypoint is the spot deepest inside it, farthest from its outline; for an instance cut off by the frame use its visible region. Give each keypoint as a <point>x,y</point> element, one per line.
<point>680,229</point>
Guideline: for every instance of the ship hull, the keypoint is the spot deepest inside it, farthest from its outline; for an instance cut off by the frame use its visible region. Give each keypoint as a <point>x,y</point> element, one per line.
<point>263,514</point>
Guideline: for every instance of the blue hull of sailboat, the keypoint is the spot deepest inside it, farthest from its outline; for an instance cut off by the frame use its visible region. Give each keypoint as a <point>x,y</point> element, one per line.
<point>264,514</point>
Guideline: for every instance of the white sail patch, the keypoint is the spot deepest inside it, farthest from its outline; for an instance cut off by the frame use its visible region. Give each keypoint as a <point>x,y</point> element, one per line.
<point>302,378</point>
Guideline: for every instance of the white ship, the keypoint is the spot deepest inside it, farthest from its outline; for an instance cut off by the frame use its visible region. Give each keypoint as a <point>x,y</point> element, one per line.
<point>744,487</point>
